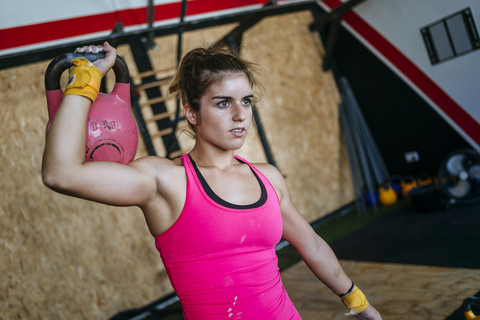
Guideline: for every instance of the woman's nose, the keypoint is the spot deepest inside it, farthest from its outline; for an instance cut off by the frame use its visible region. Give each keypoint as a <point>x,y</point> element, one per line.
<point>239,112</point>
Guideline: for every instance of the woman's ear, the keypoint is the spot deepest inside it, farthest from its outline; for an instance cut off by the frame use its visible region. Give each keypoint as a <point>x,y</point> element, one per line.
<point>190,114</point>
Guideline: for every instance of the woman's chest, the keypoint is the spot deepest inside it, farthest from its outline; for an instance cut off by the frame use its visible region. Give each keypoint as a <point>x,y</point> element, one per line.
<point>238,187</point>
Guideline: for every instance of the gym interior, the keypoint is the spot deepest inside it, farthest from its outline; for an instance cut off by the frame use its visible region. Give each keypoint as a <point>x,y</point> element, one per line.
<point>368,108</point>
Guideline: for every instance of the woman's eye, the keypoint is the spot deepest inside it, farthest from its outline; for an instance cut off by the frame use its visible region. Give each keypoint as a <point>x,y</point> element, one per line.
<point>223,103</point>
<point>247,102</point>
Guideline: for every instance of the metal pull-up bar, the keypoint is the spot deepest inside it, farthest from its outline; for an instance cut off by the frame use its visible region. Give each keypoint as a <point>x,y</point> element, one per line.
<point>333,18</point>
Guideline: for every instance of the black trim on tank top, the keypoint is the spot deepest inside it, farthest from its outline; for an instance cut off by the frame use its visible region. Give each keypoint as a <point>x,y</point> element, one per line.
<point>212,195</point>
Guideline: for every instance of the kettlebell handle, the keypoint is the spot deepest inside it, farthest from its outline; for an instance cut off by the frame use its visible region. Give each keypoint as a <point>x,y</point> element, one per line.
<point>58,65</point>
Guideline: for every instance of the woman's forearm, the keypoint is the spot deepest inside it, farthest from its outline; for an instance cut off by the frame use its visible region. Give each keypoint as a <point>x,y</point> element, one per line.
<point>326,267</point>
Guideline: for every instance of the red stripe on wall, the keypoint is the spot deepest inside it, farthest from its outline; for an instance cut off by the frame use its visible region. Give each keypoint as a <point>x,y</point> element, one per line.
<point>436,94</point>
<point>204,6</point>
<point>67,28</point>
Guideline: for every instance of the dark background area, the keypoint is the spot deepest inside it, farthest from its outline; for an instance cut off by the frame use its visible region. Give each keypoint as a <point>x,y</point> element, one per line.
<point>399,119</point>
<point>444,237</point>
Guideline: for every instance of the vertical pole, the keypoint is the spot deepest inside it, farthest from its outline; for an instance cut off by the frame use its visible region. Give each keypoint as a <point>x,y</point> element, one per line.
<point>183,12</point>
<point>263,138</point>
<point>150,18</point>
<point>353,160</point>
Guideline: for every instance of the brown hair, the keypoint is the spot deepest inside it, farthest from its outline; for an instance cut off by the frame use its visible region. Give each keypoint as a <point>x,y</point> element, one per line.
<point>201,67</point>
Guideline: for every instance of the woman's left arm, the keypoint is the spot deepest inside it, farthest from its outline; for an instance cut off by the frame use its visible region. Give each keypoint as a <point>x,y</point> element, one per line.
<point>316,253</point>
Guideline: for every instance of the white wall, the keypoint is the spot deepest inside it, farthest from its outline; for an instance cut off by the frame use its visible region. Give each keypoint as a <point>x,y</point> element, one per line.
<point>26,12</point>
<point>399,22</point>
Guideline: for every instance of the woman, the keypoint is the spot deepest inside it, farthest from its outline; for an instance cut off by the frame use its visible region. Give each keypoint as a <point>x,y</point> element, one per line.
<point>215,217</point>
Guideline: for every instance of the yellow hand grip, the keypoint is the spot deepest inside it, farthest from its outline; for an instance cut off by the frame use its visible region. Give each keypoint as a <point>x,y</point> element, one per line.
<point>356,301</point>
<point>84,79</point>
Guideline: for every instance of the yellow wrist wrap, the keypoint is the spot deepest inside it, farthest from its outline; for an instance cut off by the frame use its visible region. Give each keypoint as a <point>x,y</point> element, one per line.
<point>84,79</point>
<point>355,301</point>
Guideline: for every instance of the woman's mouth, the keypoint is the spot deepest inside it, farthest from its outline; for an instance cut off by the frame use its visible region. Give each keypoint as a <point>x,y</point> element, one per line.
<point>238,132</point>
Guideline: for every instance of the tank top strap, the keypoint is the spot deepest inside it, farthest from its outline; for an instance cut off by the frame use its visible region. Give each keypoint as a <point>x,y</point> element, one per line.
<point>245,161</point>
<point>262,177</point>
<point>187,164</point>
<point>193,183</point>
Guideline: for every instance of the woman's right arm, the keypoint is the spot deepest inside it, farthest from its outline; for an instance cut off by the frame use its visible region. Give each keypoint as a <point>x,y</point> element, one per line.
<point>64,168</point>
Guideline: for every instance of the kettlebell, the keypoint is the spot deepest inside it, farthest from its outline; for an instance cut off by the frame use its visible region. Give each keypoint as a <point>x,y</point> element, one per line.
<point>387,195</point>
<point>408,183</point>
<point>112,133</point>
<point>424,179</point>
<point>396,184</point>
<point>371,198</point>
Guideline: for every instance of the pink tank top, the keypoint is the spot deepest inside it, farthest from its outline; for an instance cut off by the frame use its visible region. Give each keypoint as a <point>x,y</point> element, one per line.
<point>220,257</point>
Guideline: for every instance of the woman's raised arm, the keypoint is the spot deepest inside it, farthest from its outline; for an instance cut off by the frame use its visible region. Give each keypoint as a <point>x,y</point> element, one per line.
<point>64,168</point>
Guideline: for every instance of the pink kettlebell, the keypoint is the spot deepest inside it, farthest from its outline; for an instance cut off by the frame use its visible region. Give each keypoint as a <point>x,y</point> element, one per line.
<point>112,133</point>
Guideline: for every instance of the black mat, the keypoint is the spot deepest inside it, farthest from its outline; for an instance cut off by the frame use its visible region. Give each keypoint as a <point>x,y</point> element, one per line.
<point>447,238</point>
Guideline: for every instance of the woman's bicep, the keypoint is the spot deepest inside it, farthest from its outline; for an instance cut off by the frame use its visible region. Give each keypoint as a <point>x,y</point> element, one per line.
<point>296,230</point>
<point>107,182</point>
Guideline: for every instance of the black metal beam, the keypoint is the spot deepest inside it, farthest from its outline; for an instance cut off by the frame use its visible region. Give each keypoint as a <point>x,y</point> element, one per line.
<point>118,38</point>
<point>263,138</point>
<point>150,20</point>
<point>332,20</point>
<point>234,38</point>
<point>180,31</point>
<point>334,27</point>
<point>336,13</point>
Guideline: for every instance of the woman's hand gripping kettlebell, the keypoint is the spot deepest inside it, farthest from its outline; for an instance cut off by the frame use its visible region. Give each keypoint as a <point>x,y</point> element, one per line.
<point>105,64</point>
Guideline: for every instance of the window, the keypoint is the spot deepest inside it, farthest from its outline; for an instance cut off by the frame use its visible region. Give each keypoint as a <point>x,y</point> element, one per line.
<point>451,36</point>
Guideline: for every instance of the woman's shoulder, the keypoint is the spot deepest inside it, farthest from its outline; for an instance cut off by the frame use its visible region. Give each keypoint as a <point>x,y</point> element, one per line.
<point>274,176</point>
<point>262,166</point>
<point>167,173</point>
<point>159,166</point>
<point>270,172</point>
<point>157,162</point>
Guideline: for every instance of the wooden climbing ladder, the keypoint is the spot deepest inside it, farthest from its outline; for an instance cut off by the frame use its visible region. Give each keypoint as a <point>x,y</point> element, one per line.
<point>157,122</point>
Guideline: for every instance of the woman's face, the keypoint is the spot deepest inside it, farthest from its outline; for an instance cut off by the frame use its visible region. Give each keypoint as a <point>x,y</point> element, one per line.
<point>225,112</point>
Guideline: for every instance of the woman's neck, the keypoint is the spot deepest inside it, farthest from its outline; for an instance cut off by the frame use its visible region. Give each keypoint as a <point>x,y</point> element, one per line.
<point>206,157</point>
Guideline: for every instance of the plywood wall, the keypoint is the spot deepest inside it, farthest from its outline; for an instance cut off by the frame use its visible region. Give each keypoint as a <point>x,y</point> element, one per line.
<point>68,258</point>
